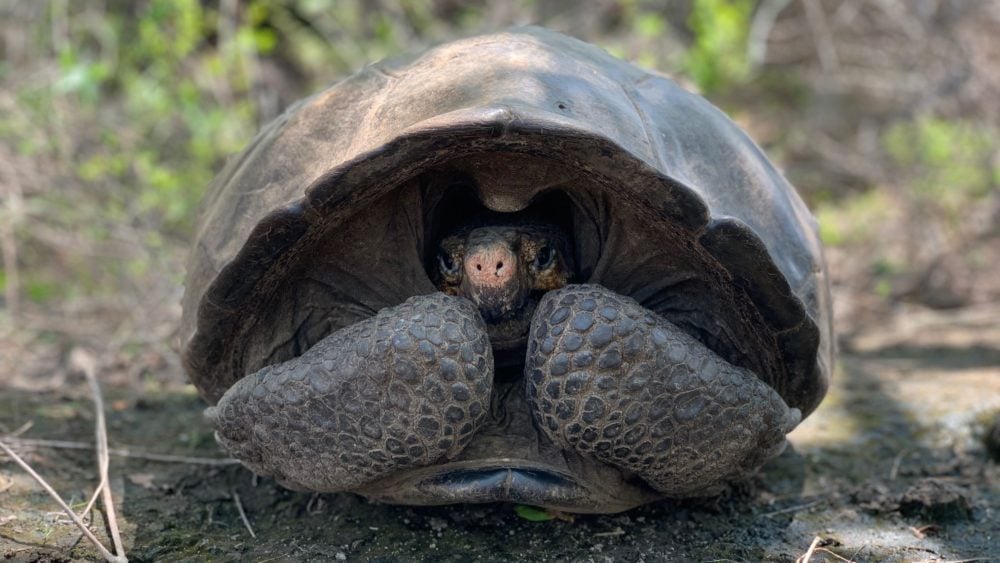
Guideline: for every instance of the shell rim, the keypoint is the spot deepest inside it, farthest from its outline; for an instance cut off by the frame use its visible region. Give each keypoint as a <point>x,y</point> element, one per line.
<point>497,128</point>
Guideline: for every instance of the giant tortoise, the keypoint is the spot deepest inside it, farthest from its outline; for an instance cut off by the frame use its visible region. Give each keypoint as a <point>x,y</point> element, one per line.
<point>512,268</point>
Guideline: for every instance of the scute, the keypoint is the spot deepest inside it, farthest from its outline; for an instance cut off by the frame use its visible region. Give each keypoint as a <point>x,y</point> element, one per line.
<point>346,164</point>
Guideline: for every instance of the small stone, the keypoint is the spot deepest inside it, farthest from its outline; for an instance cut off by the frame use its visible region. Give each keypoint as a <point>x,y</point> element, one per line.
<point>874,497</point>
<point>936,500</point>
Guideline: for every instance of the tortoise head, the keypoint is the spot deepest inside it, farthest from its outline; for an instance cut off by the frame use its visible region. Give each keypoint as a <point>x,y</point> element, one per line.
<point>499,267</point>
<point>504,265</point>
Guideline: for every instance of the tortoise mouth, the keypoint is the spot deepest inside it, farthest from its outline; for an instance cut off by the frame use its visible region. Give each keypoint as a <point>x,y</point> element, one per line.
<point>508,480</point>
<point>511,334</point>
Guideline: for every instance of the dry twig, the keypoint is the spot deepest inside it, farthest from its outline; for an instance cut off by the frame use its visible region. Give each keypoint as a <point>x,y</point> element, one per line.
<point>836,555</point>
<point>20,430</point>
<point>618,531</point>
<point>85,363</point>
<point>120,452</point>
<point>792,508</point>
<point>809,553</point>
<point>243,515</point>
<point>923,531</point>
<point>69,511</point>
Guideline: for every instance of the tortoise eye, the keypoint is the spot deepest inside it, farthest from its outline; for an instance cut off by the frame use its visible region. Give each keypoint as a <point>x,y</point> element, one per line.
<point>447,265</point>
<point>545,257</point>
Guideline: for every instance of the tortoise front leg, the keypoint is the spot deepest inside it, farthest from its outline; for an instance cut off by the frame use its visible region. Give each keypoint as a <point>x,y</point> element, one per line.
<point>404,389</point>
<point>611,379</point>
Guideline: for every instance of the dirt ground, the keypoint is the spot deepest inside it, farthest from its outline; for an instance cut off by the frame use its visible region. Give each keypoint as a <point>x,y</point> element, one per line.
<point>890,468</point>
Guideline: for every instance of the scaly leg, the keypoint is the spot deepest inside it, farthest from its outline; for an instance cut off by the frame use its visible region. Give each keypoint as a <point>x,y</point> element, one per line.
<point>611,379</point>
<point>404,389</point>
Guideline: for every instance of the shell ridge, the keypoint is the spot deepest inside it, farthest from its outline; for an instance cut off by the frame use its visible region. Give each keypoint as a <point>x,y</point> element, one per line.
<point>654,141</point>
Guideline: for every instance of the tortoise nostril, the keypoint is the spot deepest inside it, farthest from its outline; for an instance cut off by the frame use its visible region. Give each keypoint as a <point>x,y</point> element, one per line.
<point>479,267</point>
<point>499,266</point>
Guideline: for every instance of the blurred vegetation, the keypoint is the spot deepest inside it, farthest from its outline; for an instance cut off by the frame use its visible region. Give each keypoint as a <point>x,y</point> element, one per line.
<point>717,57</point>
<point>952,162</point>
<point>114,117</point>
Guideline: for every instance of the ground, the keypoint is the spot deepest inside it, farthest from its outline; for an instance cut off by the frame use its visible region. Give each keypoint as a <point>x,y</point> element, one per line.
<point>115,115</point>
<point>891,467</point>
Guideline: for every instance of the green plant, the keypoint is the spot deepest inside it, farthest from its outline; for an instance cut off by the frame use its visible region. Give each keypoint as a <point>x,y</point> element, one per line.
<point>717,58</point>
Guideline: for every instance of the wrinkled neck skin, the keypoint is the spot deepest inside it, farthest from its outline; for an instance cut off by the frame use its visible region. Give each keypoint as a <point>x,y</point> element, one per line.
<point>510,336</point>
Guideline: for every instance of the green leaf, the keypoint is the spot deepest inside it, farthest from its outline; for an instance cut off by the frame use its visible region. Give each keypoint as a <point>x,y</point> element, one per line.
<point>533,513</point>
